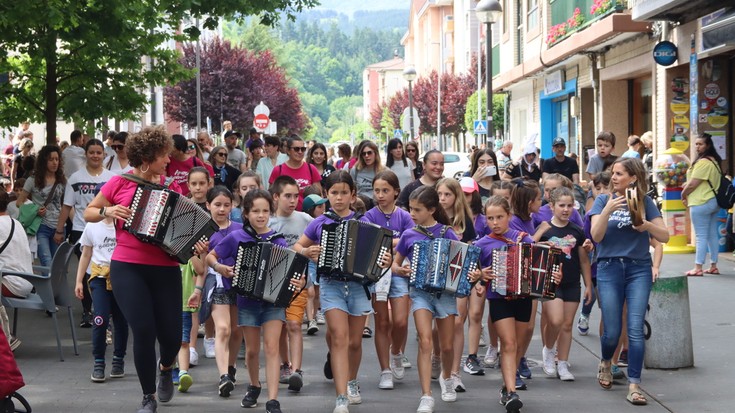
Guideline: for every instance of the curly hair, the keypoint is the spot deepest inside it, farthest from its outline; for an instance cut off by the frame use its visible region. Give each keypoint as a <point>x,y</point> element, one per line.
<point>39,171</point>
<point>148,144</point>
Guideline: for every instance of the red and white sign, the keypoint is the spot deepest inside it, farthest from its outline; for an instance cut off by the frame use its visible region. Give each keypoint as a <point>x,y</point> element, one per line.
<point>261,122</point>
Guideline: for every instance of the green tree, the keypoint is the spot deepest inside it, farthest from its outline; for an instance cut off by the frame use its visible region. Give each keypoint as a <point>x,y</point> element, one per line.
<point>498,111</point>
<point>93,59</point>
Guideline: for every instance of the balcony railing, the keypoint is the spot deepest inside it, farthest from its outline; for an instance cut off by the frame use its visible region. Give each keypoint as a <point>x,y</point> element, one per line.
<point>569,16</point>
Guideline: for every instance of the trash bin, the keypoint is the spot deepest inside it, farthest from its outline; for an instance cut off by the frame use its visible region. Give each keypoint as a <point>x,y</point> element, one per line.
<point>668,326</point>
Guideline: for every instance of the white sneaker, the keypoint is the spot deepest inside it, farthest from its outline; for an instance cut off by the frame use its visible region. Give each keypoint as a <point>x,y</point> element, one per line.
<point>436,367</point>
<point>341,405</point>
<point>426,405</point>
<point>563,371</point>
<point>449,394</point>
<point>386,380</point>
<point>491,357</point>
<point>458,385</point>
<point>209,348</point>
<point>193,356</point>
<point>406,364</point>
<point>482,342</point>
<point>396,366</point>
<point>320,318</point>
<point>353,392</point>
<point>549,365</point>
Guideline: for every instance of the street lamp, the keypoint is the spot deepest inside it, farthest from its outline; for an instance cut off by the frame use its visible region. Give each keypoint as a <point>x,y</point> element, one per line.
<point>488,12</point>
<point>218,73</point>
<point>409,74</point>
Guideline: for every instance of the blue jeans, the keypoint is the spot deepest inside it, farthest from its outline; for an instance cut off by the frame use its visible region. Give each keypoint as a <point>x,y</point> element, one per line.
<point>104,306</point>
<point>46,245</point>
<point>619,281</point>
<point>704,219</point>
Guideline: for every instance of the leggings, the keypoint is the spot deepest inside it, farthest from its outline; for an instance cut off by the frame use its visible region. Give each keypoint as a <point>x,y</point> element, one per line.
<point>87,300</point>
<point>149,297</point>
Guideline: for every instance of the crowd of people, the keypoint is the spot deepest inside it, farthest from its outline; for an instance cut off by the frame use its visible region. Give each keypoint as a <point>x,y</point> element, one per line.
<point>284,191</point>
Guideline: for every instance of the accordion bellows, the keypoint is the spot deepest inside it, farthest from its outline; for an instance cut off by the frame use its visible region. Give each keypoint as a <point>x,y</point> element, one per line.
<point>443,265</point>
<point>525,270</point>
<point>263,271</point>
<point>169,220</point>
<point>354,249</point>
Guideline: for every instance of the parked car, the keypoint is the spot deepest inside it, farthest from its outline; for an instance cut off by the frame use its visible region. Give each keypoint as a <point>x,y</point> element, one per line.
<point>456,164</point>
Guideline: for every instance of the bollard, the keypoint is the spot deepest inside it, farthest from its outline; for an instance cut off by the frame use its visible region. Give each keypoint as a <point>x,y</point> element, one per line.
<point>668,327</point>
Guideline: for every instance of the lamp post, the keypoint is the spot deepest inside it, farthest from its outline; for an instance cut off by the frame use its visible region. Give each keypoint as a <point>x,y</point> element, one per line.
<point>488,12</point>
<point>218,73</point>
<point>409,74</point>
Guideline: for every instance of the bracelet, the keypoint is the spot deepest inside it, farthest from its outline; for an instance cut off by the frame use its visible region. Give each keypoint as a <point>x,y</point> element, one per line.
<point>196,287</point>
<point>302,251</point>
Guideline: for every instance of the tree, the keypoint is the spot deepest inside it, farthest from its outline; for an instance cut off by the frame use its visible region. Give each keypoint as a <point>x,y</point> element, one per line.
<point>244,79</point>
<point>498,111</point>
<point>87,60</point>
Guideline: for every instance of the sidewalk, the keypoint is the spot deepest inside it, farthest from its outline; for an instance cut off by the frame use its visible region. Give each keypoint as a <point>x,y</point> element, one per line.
<point>53,386</point>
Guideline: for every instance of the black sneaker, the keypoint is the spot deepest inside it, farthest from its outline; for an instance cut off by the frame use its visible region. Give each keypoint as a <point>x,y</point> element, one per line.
<point>328,367</point>
<point>511,401</point>
<point>118,368</point>
<point>225,385</point>
<point>98,372</point>
<point>231,371</point>
<point>165,385</point>
<point>251,397</point>
<point>273,406</point>
<point>148,405</point>
<point>472,366</point>
<point>86,320</point>
<point>296,381</point>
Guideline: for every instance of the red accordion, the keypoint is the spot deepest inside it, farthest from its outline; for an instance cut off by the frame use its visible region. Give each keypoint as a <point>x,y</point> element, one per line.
<point>525,270</point>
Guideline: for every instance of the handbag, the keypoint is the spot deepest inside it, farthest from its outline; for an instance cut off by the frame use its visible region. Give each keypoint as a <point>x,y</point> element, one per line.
<point>725,194</point>
<point>28,213</point>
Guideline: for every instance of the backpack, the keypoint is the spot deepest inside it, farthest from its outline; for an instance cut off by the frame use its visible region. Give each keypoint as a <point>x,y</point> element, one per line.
<point>725,194</point>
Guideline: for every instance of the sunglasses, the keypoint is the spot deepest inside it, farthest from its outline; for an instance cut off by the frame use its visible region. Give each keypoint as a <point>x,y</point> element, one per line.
<point>410,150</point>
<point>191,147</point>
<point>299,148</point>
<point>368,153</point>
<point>117,147</point>
<point>222,154</point>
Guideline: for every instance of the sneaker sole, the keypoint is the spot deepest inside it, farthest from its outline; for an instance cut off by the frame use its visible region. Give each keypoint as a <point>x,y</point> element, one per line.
<point>312,331</point>
<point>355,400</point>
<point>295,383</point>
<point>473,372</point>
<point>385,387</point>
<point>97,380</point>
<point>226,388</point>
<point>328,368</point>
<point>513,406</point>
<point>117,376</point>
<point>449,399</point>
<point>249,406</point>
<point>185,383</point>
<point>396,376</point>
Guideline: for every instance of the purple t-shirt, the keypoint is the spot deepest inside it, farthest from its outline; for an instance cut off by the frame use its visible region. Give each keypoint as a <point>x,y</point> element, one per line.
<point>408,238</point>
<point>518,224</point>
<point>545,214</point>
<point>487,244</point>
<point>216,238</point>
<point>313,231</point>
<point>481,228</point>
<point>399,221</point>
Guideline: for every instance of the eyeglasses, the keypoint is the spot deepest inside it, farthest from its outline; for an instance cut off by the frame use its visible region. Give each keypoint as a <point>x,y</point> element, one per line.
<point>224,154</point>
<point>117,147</point>
<point>368,153</point>
<point>299,148</point>
<point>191,147</point>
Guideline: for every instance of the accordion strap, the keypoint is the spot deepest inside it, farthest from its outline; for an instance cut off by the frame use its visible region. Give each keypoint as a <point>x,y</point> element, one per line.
<point>424,231</point>
<point>508,240</point>
<point>251,231</point>
<point>336,218</point>
<point>138,180</point>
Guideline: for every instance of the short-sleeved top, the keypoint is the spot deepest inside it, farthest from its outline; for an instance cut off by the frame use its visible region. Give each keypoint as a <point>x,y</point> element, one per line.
<point>112,163</point>
<point>74,159</point>
<point>18,161</point>
<point>264,168</point>
<point>597,163</point>
<point>328,169</point>
<point>545,214</point>
<point>403,172</point>
<point>179,171</point>
<point>620,239</point>
<point>405,244</point>
<point>487,244</point>
<point>397,221</point>
<point>631,153</point>
<point>406,192</point>
<point>519,224</point>
<point>363,180</point>
<point>292,227</point>
<point>39,195</point>
<point>481,228</point>
<point>314,229</point>
<point>250,142</point>
<point>305,175</point>
<point>567,238</point>
<point>469,233</point>
<point>236,157</point>
<point>80,191</point>
<point>704,170</point>
<point>101,237</point>
<point>503,159</point>
<point>120,191</point>
<point>567,167</point>
<point>216,238</point>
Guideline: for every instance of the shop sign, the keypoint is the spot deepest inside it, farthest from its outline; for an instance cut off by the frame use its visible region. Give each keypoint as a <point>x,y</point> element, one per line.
<point>554,82</point>
<point>665,53</point>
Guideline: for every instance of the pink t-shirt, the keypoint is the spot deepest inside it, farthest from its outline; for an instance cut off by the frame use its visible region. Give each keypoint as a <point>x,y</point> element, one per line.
<point>180,171</point>
<point>119,191</point>
<point>304,175</point>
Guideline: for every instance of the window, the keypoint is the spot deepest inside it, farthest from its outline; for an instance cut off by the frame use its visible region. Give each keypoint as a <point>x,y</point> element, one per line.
<point>505,16</point>
<point>532,14</point>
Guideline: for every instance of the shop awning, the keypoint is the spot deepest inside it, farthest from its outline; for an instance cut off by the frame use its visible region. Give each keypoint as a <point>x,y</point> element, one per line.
<point>680,11</point>
<point>719,33</point>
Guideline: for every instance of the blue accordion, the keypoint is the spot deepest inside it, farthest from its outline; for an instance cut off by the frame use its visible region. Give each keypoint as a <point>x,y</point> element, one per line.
<point>443,265</point>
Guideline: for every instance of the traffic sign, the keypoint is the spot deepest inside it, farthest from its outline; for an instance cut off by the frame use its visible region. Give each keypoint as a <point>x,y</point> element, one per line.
<point>480,127</point>
<point>398,134</point>
<point>261,122</point>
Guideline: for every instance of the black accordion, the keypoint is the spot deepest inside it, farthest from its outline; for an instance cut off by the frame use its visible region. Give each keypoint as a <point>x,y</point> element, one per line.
<point>525,270</point>
<point>443,265</point>
<point>354,249</point>
<point>263,271</point>
<point>169,220</point>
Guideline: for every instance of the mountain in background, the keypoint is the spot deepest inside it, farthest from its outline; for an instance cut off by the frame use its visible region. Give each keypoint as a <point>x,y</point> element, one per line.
<point>349,7</point>
<point>347,15</point>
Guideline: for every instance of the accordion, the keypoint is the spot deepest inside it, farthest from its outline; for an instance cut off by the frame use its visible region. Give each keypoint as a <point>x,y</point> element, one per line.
<point>525,270</point>
<point>443,265</point>
<point>170,220</point>
<point>353,248</point>
<point>263,271</point>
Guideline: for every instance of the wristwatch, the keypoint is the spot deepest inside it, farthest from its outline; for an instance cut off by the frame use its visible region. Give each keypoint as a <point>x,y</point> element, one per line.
<point>102,211</point>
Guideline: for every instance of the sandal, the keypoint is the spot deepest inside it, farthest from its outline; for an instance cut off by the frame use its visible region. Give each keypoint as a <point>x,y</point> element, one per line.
<point>712,270</point>
<point>367,332</point>
<point>636,397</point>
<point>604,376</point>
<point>694,273</point>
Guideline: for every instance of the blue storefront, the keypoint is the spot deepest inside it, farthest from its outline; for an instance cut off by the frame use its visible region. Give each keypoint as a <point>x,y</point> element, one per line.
<point>556,119</point>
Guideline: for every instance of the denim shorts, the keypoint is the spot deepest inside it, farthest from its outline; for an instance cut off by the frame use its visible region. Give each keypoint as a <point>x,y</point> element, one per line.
<point>398,286</point>
<point>311,279</point>
<point>348,296</point>
<point>185,326</point>
<point>258,315</point>
<point>221,296</point>
<point>440,305</point>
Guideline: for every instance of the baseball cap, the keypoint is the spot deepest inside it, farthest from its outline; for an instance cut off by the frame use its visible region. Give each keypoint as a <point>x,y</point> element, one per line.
<point>558,141</point>
<point>233,132</point>
<point>468,185</point>
<point>311,201</point>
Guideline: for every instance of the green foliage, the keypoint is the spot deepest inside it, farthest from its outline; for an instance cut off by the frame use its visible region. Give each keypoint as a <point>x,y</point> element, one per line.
<point>498,111</point>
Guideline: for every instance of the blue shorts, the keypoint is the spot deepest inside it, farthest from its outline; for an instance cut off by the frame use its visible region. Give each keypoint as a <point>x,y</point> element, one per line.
<point>398,286</point>
<point>185,326</point>
<point>348,296</point>
<point>258,315</point>
<point>440,305</point>
<point>311,280</point>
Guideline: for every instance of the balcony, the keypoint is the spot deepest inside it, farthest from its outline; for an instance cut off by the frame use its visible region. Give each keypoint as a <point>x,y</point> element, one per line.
<point>571,16</point>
